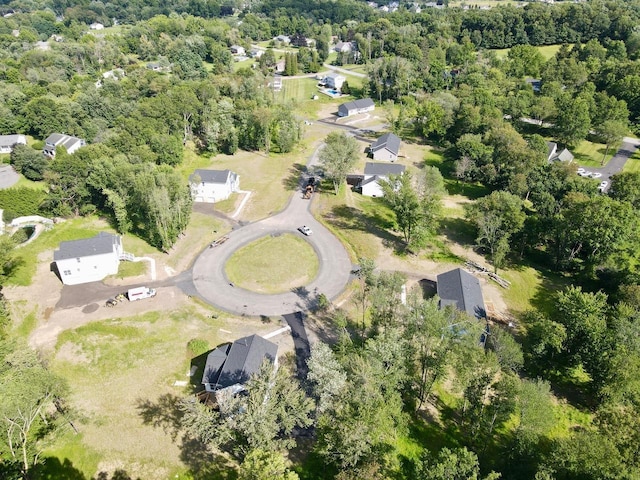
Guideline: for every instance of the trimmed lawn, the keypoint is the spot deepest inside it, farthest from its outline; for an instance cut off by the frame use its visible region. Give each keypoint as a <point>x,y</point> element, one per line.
<point>131,269</point>
<point>590,154</point>
<point>298,89</point>
<point>273,264</point>
<point>633,164</point>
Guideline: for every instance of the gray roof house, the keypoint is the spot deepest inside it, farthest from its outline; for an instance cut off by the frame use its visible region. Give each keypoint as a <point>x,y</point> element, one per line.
<point>230,366</point>
<point>386,147</point>
<point>373,173</point>
<point>55,140</point>
<point>8,141</point>
<point>462,290</point>
<point>211,186</point>
<point>355,107</point>
<point>89,259</point>
<point>554,156</point>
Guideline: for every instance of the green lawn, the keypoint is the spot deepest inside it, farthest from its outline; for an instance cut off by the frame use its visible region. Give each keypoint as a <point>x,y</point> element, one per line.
<point>273,264</point>
<point>547,51</point>
<point>590,154</point>
<point>633,164</point>
<point>298,89</point>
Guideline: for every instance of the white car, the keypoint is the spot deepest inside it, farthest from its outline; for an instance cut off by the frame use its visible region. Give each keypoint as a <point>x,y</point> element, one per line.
<point>604,184</point>
<point>305,230</point>
<point>585,173</point>
<point>596,175</point>
<point>580,171</point>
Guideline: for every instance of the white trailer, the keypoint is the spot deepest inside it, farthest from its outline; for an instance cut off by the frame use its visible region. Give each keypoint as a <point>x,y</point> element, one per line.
<point>139,293</point>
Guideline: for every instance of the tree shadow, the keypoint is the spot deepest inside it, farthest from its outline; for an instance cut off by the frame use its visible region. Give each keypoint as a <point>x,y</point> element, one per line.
<point>52,468</point>
<point>204,464</point>
<point>458,230</point>
<point>293,181</point>
<point>165,413</point>
<point>117,474</point>
<point>351,218</point>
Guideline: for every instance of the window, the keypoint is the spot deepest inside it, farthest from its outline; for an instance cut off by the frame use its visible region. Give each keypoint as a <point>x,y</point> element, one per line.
<point>67,272</point>
<point>78,260</point>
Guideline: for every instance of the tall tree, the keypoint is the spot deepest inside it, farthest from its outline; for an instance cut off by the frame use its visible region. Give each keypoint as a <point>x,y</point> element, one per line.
<point>610,132</point>
<point>338,157</point>
<point>497,217</point>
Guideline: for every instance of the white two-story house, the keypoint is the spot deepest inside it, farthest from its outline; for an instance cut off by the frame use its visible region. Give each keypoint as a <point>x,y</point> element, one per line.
<point>89,259</point>
<point>210,186</point>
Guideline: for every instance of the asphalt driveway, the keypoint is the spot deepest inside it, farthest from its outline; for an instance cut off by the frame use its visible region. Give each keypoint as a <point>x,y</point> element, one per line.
<point>617,162</point>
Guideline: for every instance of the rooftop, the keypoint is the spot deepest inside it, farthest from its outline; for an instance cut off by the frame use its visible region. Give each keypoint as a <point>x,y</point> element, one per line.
<point>102,243</point>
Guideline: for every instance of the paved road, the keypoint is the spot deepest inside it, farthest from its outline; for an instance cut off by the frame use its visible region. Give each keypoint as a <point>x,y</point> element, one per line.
<point>8,176</point>
<point>617,162</point>
<point>211,283</point>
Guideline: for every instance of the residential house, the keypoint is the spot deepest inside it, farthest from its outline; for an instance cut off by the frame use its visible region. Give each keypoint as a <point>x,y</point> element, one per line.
<point>553,155</point>
<point>344,47</point>
<point>283,39</point>
<point>210,186</point>
<point>374,173</point>
<point>536,84</point>
<point>115,74</point>
<point>280,66</point>
<point>55,140</point>
<point>256,53</point>
<point>230,366</point>
<point>334,80</point>
<point>158,67</point>
<point>462,290</point>
<point>96,26</point>
<point>238,50</point>
<point>89,259</point>
<point>355,107</point>
<point>8,141</point>
<point>386,147</point>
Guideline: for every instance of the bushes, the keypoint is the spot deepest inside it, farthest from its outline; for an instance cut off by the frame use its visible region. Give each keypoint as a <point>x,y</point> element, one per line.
<point>18,202</point>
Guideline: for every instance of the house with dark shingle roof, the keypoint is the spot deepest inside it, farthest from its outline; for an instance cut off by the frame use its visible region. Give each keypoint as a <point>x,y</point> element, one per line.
<point>362,105</point>
<point>461,290</point>
<point>374,173</point>
<point>230,366</point>
<point>89,259</point>
<point>210,186</point>
<point>55,140</point>
<point>386,147</point>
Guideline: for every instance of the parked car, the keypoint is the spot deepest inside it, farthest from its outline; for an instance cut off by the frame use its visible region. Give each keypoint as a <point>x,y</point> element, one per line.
<point>580,171</point>
<point>603,185</point>
<point>585,173</point>
<point>305,230</point>
<point>596,175</point>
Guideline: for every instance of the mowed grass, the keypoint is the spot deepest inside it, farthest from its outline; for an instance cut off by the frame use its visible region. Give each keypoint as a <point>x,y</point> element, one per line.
<point>273,264</point>
<point>590,154</point>
<point>298,89</point>
<point>121,374</point>
<point>547,51</point>
<point>633,164</point>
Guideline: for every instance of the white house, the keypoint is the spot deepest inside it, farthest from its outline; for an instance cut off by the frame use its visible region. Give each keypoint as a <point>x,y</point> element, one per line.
<point>344,47</point>
<point>237,50</point>
<point>62,140</point>
<point>8,141</point>
<point>96,26</point>
<point>355,107</point>
<point>373,173</point>
<point>282,39</point>
<point>230,366</point>
<point>89,259</point>
<point>553,155</point>
<point>334,80</point>
<point>386,147</point>
<point>210,186</point>
<point>115,74</point>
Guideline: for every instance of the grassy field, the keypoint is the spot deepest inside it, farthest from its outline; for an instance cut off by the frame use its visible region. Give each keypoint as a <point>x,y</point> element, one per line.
<point>633,164</point>
<point>273,264</point>
<point>547,51</point>
<point>590,154</point>
<point>137,360</point>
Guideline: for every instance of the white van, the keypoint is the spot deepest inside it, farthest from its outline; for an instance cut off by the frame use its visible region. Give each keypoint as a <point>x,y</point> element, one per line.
<point>139,293</point>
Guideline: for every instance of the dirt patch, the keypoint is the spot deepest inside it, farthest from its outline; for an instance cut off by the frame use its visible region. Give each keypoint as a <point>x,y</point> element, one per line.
<point>71,353</point>
<point>92,307</point>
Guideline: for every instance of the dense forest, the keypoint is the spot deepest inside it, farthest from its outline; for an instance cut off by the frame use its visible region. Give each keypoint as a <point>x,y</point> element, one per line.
<point>402,374</point>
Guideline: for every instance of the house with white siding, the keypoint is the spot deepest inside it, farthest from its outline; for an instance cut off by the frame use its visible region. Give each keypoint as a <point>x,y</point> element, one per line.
<point>8,141</point>
<point>386,147</point>
<point>55,140</point>
<point>355,107</point>
<point>374,173</point>
<point>210,186</point>
<point>89,259</point>
<point>334,80</point>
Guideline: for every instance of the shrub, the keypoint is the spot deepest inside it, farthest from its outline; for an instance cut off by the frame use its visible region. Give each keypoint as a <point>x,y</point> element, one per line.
<point>198,346</point>
<point>18,202</point>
